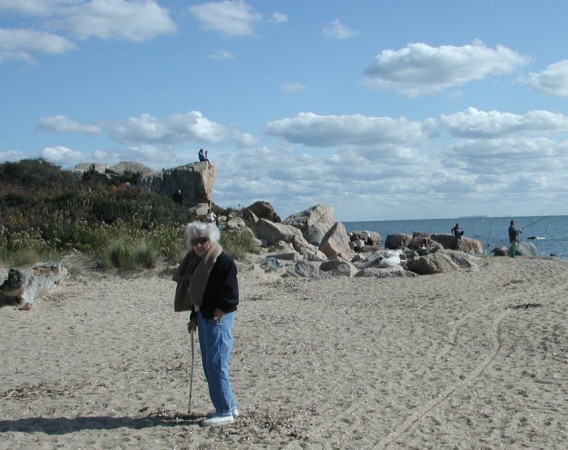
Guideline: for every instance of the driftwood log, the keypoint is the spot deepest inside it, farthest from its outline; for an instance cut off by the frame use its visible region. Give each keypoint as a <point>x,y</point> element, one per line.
<point>28,284</point>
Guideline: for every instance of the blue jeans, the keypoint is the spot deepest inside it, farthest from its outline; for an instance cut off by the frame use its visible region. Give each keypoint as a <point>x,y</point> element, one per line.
<point>215,343</point>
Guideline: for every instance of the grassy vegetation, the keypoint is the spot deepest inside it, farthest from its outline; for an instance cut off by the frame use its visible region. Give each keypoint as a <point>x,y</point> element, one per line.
<point>46,212</point>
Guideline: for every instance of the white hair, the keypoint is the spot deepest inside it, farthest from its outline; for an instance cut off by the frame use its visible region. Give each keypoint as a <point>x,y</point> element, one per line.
<point>201,229</point>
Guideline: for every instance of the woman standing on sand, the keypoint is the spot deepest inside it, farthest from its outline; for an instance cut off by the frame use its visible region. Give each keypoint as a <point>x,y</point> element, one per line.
<point>208,287</point>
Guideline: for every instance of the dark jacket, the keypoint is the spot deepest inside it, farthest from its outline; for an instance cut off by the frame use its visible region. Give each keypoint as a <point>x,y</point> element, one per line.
<point>513,233</point>
<point>222,289</point>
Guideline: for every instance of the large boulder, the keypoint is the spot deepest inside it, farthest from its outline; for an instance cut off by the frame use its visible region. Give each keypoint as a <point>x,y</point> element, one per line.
<point>432,263</point>
<point>129,166</point>
<point>103,173</point>
<point>471,246</point>
<point>463,244</point>
<point>391,272</point>
<point>336,242</point>
<point>273,233</point>
<point>338,266</point>
<point>195,181</point>
<point>399,240</point>
<point>263,210</point>
<point>526,249</point>
<point>305,269</point>
<point>465,261</point>
<point>313,222</point>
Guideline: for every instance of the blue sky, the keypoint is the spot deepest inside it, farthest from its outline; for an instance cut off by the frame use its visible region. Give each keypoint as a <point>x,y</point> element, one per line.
<point>384,110</point>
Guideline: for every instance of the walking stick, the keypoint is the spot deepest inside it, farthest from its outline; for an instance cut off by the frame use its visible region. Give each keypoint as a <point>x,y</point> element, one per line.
<point>191,372</point>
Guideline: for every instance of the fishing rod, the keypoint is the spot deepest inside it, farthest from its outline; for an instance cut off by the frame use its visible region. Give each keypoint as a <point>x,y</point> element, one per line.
<point>536,221</point>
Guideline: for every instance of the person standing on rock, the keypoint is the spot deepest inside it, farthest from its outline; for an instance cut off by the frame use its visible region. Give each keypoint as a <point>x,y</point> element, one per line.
<point>207,286</point>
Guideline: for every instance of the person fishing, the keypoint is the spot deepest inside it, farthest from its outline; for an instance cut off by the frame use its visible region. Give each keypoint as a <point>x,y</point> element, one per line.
<point>457,231</point>
<point>513,238</point>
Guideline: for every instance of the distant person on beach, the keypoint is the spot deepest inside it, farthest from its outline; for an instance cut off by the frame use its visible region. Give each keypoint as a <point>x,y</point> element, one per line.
<point>207,286</point>
<point>457,232</point>
<point>513,238</point>
<point>178,197</point>
<point>211,217</point>
<point>425,242</point>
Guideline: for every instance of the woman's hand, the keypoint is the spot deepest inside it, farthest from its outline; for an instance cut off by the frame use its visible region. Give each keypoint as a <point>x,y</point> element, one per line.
<point>192,325</point>
<point>217,314</point>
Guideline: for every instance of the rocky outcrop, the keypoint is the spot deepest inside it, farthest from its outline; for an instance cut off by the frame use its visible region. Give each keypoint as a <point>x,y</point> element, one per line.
<point>195,181</point>
<point>275,233</point>
<point>526,249</point>
<point>338,266</point>
<point>336,242</point>
<point>112,171</point>
<point>397,241</point>
<point>313,222</point>
<point>463,244</point>
<point>262,210</point>
<point>523,249</point>
<point>305,269</point>
<point>392,272</point>
<point>443,261</point>
<point>432,263</point>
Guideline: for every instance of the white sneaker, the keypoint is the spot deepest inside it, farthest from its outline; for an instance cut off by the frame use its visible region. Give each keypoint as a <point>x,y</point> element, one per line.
<point>217,421</point>
<point>213,413</point>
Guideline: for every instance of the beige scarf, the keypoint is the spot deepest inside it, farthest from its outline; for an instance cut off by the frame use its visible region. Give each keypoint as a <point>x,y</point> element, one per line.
<point>191,277</point>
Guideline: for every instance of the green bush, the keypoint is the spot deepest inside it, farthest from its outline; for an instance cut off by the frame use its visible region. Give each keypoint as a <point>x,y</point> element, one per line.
<point>238,243</point>
<point>129,254</point>
<point>46,212</point>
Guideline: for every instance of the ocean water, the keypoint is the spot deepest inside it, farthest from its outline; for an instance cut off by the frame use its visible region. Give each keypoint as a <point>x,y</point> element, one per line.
<point>548,233</point>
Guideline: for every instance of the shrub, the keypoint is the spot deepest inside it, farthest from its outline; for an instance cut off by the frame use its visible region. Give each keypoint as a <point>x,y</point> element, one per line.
<point>238,243</point>
<point>130,254</point>
<point>25,257</point>
<point>128,227</point>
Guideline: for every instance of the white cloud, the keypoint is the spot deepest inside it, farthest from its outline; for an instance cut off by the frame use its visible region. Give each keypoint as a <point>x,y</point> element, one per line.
<point>336,30</point>
<point>62,154</point>
<point>13,155</point>
<point>292,88</point>
<point>420,69</point>
<point>512,156</point>
<point>279,17</point>
<point>151,154</point>
<point>246,140</point>
<point>189,127</point>
<point>117,20</point>
<point>33,7</point>
<point>64,124</point>
<point>222,55</point>
<point>552,81</point>
<point>322,131</point>
<point>231,18</point>
<point>473,123</point>
<point>23,44</point>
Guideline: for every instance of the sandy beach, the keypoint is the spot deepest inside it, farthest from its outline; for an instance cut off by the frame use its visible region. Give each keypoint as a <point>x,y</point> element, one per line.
<point>468,360</point>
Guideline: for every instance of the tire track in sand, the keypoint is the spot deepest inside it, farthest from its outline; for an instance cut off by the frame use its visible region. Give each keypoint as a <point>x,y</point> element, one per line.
<point>476,372</point>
